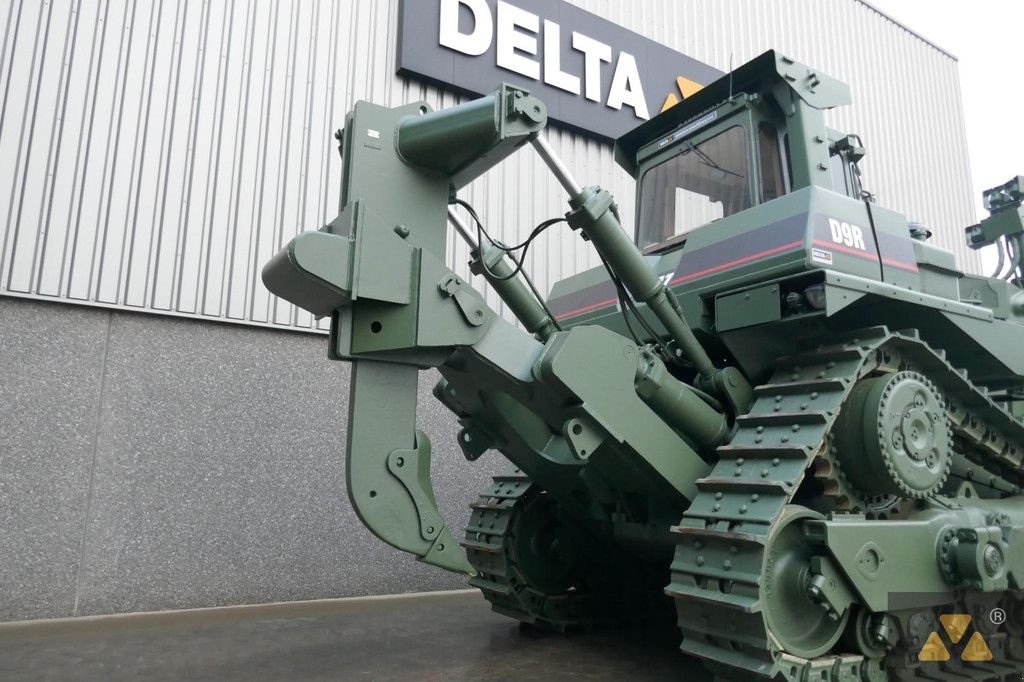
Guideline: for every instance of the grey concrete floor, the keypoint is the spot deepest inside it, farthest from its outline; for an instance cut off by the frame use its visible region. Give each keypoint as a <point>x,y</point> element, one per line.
<point>437,636</point>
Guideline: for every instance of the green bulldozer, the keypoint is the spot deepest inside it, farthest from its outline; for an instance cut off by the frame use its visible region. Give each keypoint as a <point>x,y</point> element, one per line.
<point>779,408</point>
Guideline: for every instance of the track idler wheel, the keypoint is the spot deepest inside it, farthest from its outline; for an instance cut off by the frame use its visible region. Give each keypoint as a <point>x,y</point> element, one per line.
<point>541,546</point>
<point>801,627</point>
<point>894,436</point>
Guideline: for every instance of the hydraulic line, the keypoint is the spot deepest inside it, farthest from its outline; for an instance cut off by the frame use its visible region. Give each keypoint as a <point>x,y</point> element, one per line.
<point>489,260</point>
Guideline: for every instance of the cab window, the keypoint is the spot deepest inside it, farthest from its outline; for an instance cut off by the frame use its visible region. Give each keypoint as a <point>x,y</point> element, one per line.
<point>704,182</point>
<point>773,182</point>
<point>837,168</point>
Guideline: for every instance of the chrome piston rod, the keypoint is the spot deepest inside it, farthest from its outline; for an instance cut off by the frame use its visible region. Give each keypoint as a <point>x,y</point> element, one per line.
<point>467,236</point>
<point>556,165</point>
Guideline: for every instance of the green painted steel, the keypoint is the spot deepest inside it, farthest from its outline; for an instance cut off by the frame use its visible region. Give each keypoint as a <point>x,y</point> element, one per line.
<point>782,409</point>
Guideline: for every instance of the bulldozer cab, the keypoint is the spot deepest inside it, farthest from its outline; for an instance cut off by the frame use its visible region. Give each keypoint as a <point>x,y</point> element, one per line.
<point>742,141</point>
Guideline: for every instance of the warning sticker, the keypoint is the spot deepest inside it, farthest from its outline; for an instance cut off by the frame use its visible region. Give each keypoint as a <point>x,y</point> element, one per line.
<point>821,256</point>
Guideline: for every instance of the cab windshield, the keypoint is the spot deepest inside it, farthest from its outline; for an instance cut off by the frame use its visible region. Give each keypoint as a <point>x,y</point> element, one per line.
<point>704,182</point>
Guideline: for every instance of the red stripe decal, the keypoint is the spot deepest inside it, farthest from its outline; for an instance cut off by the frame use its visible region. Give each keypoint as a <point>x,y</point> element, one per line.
<point>900,264</point>
<point>738,261</point>
<point>912,267</point>
<point>586,308</point>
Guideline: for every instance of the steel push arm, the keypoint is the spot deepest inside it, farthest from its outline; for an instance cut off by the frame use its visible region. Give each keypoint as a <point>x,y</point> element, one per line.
<point>379,271</point>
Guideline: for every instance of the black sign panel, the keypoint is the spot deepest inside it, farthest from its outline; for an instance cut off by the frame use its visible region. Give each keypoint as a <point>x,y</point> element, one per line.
<point>593,75</point>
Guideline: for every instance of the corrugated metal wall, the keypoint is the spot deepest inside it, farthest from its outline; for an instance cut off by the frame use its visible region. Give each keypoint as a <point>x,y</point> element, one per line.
<point>156,153</point>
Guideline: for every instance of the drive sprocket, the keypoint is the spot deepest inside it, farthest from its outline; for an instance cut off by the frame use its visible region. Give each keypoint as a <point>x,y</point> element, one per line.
<point>894,436</point>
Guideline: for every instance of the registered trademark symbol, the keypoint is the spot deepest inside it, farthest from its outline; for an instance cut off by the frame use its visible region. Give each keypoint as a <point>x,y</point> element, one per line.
<point>998,616</point>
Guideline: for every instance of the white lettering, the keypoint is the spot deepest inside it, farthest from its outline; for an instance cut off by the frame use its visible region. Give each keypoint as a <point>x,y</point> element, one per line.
<point>475,43</point>
<point>511,39</point>
<point>594,53</point>
<point>553,74</point>
<point>858,238</point>
<point>516,34</point>
<point>836,229</point>
<point>626,87</point>
<point>847,233</point>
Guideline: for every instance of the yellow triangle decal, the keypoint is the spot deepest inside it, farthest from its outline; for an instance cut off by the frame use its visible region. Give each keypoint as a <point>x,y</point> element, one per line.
<point>669,102</point>
<point>955,626</point>
<point>976,649</point>
<point>933,649</point>
<point>687,87</point>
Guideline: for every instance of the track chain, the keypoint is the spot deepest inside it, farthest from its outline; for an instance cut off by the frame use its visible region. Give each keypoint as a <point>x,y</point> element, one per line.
<point>716,574</point>
<point>488,536</point>
<point>490,544</point>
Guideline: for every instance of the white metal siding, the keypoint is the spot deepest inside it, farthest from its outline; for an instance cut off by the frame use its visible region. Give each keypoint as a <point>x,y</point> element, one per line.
<point>156,153</point>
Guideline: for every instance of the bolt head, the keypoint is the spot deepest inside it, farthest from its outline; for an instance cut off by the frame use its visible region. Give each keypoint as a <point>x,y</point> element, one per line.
<point>992,557</point>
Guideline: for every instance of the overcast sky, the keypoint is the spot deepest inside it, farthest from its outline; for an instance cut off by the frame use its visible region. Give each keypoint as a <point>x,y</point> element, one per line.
<point>985,35</point>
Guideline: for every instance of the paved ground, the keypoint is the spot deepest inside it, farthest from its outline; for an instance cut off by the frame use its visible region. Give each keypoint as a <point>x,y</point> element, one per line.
<point>428,637</point>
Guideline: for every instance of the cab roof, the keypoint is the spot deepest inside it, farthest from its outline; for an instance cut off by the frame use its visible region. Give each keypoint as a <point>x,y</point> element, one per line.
<point>761,74</point>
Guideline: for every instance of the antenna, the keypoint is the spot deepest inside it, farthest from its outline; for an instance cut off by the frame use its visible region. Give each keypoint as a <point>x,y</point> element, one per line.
<point>730,75</point>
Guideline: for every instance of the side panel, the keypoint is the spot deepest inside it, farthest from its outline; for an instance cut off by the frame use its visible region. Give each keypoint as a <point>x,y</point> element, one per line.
<point>808,230</point>
<point>841,237</point>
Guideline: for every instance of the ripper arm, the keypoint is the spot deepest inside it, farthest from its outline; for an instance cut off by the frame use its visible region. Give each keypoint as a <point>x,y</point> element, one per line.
<point>379,271</point>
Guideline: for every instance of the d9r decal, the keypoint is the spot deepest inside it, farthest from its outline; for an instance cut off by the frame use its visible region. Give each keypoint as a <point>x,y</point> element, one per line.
<point>847,234</point>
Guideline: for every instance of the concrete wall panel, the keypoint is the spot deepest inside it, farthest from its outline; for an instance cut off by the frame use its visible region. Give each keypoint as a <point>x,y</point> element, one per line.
<point>51,368</point>
<point>218,475</point>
